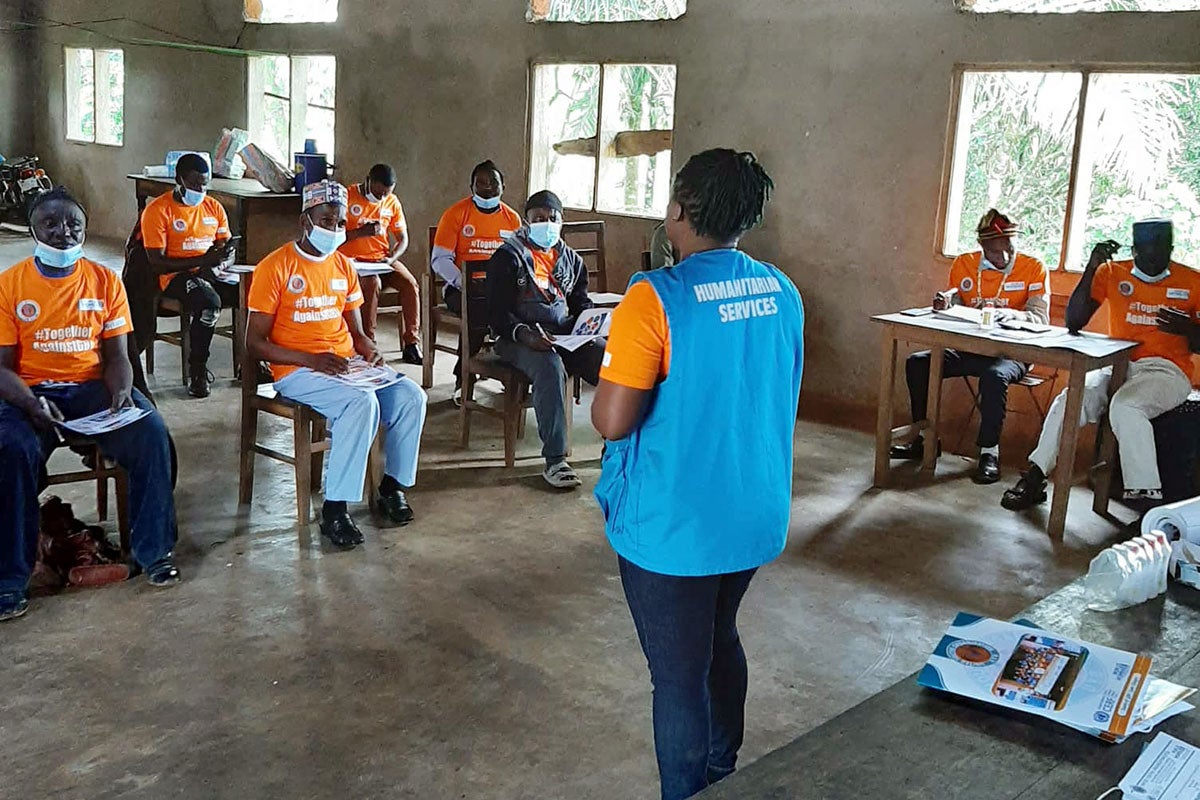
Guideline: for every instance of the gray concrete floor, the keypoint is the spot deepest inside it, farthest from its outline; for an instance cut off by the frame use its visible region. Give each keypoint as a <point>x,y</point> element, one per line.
<point>484,651</point>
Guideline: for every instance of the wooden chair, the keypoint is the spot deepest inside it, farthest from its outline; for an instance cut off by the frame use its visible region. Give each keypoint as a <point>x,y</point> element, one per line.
<point>101,471</point>
<point>587,239</point>
<point>310,442</point>
<point>435,317</point>
<point>517,395</point>
<point>517,392</point>
<point>170,307</point>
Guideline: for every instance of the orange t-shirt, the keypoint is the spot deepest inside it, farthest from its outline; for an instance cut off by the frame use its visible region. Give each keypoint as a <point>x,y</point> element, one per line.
<point>638,354</point>
<point>1026,279</point>
<point>56,324</point>
<point>543,266</point>
<point>182,231</point>
<point>473,235</point>
<point>1133,308</point>
<point>361,211</point>
<point>307,297</point>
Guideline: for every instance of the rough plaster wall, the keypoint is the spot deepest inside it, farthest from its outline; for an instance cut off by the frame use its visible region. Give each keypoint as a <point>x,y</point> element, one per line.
<point>16,98</point>
<point>844,100</point>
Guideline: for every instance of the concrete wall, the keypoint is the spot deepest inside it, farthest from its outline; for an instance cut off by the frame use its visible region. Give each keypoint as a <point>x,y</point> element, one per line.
<point>845,101</point>
<point>16,97</point>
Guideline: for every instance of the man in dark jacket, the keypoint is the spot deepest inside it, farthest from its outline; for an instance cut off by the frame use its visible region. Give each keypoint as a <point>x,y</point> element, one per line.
<point>537,287</point>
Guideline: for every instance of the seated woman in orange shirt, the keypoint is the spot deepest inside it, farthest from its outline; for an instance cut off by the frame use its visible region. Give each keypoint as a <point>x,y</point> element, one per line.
<point>63,355</point>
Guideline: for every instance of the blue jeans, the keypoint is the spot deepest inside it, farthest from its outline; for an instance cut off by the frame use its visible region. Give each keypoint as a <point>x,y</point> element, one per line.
<point>142,449</point>
<point>688,631</point>
<point>547,372</point>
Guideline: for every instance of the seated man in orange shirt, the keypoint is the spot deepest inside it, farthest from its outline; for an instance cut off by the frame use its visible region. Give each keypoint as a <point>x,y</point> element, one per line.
<point>186,234</point>
<point>1018,286</point>
<point>467,234</point>
<point>304,320</point>
<point>1155,302</point>
<point>376,231</point>
<point>63,355</point>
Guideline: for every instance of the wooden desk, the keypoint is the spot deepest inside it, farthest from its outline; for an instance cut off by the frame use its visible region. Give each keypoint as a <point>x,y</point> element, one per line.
<point>940,335</point>
<point>910,743</point>
<point>263,219</point>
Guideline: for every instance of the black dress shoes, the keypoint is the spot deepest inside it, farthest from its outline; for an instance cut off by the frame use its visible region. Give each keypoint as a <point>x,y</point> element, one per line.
<point>987,470</point>
<point>395,507</point>
<point>341,530</point>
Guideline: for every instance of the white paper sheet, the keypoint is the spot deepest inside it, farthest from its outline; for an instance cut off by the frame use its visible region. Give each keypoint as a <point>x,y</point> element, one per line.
<point>592,324</point>
<point>1168,769</point>
<point>371,268</point>
<point>104,421</point>
<point>368,378</point>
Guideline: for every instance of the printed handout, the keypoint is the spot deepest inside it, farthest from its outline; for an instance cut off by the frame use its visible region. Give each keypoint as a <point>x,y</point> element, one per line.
<point>104,421</point>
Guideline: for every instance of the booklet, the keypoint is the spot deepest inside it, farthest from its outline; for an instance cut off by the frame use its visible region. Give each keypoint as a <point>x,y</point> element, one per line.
<point>592,324</point>
<point>961,314</point>
<point>368,378</point>
<point>1095,689</point>
<point>104,421</point>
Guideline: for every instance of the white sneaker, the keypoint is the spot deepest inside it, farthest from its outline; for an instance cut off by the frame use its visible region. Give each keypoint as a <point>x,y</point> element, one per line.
<point>456,398</point>
<point>561,476</point>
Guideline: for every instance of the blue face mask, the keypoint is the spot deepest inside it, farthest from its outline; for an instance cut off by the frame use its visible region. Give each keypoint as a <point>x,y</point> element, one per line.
<point>486,203</point>
<point>325,241</point>
<point>545,234</point>
<point>191,197</point>
<point>57,259</point>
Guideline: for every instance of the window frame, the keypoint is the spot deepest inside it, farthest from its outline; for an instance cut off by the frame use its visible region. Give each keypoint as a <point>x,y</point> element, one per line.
<point>70,93</point>
<point>296,121</point>
<point>531,115</point>
<point>1072,216</point>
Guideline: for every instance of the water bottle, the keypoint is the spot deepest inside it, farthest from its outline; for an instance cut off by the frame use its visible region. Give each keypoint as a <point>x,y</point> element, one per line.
<point>1161,545</point>
<point>1106,578</point>
<point>1129,573</point>
<point>987,320</point>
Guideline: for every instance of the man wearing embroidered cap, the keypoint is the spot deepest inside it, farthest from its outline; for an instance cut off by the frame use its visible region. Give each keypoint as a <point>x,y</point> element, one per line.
<point>1155,302</point>
<point>537,286</point>
<point>304,320</point>
<point>1017,285</point>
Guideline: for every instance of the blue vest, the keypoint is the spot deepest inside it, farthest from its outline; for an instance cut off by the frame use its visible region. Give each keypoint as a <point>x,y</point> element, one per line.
<point>703,486</point>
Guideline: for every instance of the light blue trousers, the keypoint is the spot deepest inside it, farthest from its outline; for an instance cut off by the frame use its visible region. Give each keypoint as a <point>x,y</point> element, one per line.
<point>354,416</point>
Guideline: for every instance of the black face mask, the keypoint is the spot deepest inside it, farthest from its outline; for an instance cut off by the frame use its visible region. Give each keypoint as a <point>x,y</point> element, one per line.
<point>1152,260</point>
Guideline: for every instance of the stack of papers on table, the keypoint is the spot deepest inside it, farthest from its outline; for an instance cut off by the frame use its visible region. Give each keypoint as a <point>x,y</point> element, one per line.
<point>368,378</point>
<point>961,314</point>
<point>104,421</point>
<point>1100,691</point>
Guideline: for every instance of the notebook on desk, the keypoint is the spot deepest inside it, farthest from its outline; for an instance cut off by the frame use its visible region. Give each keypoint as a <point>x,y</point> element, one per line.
<point>961,314</point>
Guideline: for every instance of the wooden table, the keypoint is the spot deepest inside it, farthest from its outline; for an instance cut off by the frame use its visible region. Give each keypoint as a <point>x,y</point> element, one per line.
<point>910,743</point>
<point>263,219</point>
<point>940,335</point>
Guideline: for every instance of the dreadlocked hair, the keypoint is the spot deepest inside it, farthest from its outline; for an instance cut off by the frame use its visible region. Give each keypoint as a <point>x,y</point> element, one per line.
<point>722,193</point>
<point>59,192</point>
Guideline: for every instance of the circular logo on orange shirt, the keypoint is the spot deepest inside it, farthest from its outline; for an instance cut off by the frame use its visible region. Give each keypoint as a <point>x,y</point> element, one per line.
<point>468,230</point>
<point>28,311</point>
<point>1125,288</point>
<point>968,283</point>
<point>179,225</point>
<point>356,210</point>
<point>296,284</point>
